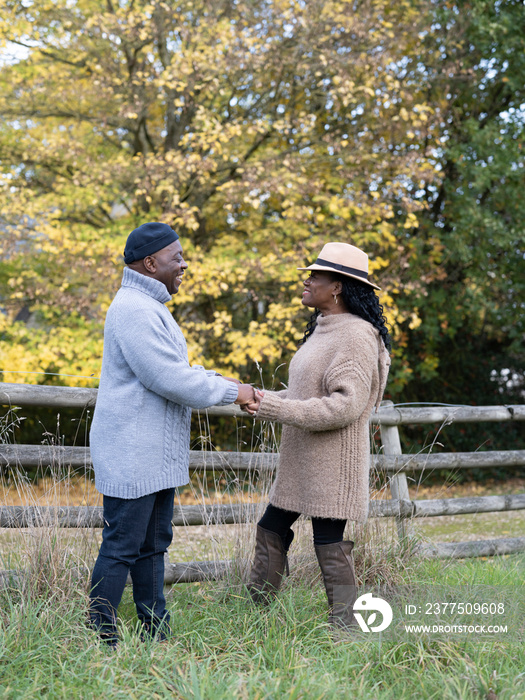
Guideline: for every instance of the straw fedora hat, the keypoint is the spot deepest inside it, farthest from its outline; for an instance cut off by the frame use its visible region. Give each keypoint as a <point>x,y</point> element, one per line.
<point>344,259</point>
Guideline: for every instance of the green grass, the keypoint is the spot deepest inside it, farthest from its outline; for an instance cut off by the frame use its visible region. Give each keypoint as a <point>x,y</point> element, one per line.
<point>478,526</point>
<point>223,647</point>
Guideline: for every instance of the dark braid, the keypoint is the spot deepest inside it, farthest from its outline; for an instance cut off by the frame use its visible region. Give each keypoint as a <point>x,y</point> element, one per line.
<point>359,299</point>
<point>310,326</point>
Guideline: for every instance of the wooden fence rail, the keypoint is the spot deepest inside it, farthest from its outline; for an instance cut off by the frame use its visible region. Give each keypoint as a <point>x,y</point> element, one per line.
<point>227,514</point>
<point>391,461</point>
<point>80,397</point>
<point>51,455</point>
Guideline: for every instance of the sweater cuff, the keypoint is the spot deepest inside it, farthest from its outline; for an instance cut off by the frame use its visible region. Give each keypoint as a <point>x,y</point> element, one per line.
<point>231,394</point>
<point>270,408</point>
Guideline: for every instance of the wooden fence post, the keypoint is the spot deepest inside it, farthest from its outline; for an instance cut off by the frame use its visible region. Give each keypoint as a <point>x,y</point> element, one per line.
<point>391,443</point>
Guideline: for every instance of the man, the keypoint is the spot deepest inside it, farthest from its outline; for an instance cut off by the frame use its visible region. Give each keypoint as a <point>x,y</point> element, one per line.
<point>141,429</point>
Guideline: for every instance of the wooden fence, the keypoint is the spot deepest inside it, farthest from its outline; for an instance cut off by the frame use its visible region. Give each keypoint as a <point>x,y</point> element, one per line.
<point>391,461</point>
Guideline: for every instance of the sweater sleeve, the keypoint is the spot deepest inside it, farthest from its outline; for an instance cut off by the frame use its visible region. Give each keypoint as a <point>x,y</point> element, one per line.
<point>348,384</point>
<point>158,363</point>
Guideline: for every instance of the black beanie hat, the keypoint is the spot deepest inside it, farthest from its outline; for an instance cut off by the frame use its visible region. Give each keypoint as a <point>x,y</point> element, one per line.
<point>147,239</point>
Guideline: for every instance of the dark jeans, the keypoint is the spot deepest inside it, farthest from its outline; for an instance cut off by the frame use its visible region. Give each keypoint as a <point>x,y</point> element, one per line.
<point>326,530</point>
<point>137,533</point>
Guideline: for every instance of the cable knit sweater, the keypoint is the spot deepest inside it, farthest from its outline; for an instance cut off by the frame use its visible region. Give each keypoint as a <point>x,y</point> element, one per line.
<point>335,380</point>
<point>141,427</point>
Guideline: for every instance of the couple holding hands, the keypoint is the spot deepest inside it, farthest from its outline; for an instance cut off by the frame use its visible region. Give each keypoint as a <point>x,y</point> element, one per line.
<point>141,428</point>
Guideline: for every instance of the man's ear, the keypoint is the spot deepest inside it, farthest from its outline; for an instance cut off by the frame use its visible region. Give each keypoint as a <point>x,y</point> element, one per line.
<point>150,264</point>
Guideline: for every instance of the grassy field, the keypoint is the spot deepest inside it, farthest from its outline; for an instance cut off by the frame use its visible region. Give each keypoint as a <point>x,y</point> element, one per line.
<point>223,647</point>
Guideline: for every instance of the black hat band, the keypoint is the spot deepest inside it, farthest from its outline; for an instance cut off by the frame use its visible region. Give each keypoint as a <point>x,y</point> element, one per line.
<point>342,268</point>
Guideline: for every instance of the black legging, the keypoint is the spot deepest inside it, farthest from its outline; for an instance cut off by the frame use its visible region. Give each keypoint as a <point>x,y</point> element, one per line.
<point>326,530</point>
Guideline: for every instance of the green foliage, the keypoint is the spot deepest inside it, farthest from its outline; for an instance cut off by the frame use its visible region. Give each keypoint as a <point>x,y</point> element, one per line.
<point>471,310</point>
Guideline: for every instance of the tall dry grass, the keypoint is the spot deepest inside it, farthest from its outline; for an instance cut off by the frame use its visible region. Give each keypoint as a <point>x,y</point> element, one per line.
<point>42,560</point>
<point>53,563</point>
<point>379,556</point>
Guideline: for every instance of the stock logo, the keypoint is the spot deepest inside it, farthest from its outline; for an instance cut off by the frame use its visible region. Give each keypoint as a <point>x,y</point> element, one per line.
<point>367,603</point>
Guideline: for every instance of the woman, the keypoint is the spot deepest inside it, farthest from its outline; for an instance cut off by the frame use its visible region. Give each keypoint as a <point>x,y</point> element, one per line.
<point>336,378</point>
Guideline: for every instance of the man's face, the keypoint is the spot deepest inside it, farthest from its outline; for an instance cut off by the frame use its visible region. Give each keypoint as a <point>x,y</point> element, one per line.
<point>167,265</point>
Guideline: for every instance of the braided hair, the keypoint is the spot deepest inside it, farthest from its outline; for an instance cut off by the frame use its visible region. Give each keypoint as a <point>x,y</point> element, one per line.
<point>359,299</point>
<point>310,326</point>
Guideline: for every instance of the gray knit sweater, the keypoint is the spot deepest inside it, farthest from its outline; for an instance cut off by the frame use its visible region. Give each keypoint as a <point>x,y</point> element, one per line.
<point>336,378</point>
<point>141,426</point>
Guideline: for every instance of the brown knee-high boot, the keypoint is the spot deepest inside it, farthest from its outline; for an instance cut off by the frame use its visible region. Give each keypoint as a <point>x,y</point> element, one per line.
<point>337,566</point>
<point>269,564</point>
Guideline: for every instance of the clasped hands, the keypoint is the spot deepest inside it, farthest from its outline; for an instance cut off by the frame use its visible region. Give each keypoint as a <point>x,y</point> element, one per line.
<point>249,398</point>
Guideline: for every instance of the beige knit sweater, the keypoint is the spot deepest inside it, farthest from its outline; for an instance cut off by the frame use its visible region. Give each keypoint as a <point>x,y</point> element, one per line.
<point>335,380</point>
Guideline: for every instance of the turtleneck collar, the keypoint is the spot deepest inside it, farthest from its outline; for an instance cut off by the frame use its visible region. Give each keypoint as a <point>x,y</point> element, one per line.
<point>147,285</point>
<point>328,322</point>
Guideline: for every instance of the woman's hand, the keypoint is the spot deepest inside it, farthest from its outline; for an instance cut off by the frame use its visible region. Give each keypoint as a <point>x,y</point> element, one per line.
<point>253,406</point>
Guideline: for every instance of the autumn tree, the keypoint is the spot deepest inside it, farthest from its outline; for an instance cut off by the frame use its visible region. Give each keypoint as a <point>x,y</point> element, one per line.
<point>259,130</point>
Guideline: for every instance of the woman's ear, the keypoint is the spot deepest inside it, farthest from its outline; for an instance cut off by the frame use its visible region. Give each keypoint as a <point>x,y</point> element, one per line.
<point>338,287</point>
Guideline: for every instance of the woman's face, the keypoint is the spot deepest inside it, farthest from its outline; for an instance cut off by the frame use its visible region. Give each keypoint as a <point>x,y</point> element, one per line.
<point>319,290</point>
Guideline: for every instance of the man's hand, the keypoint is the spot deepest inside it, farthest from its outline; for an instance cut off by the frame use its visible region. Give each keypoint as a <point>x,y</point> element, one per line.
<point>246,395</point>
<point>253,406</point>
